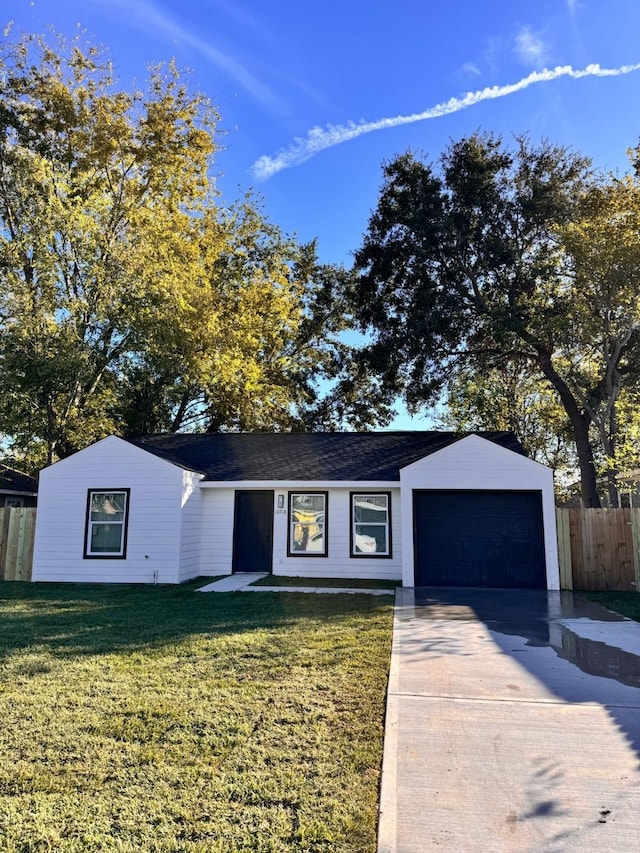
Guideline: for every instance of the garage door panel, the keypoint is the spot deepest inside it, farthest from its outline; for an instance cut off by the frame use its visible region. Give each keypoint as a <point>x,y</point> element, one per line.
<point>478,538</point>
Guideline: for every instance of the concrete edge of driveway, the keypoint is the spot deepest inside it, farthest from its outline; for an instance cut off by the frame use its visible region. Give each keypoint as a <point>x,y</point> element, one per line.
<point>387,812</point>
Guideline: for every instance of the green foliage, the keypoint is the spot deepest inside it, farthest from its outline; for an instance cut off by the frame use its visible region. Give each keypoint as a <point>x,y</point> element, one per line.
<point>603,242</point>
<point>513,398</point>
<point>130,298</point>
<point>103,244</point>
<point>160,719</point>
<point>487,268</point>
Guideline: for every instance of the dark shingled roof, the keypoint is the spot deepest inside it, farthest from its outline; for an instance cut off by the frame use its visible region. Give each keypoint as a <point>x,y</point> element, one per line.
<point>14,481</point>
<point>305,456</point>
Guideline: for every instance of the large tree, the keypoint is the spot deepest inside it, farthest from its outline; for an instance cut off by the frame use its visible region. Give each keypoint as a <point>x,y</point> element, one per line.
<point>602,242</point>
<point>469,266</point>
<point>105,234</point>
<point>131,299</point>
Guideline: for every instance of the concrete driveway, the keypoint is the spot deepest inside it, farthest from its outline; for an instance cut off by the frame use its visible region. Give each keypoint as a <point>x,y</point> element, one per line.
<point>513,724</point>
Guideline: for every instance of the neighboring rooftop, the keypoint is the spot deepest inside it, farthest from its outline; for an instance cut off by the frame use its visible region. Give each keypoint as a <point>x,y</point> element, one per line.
<point>305,456</point>
<point>15,481</point>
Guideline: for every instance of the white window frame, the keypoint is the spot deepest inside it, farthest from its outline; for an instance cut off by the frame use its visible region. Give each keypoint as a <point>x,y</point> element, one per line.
<point>121,553</point>
<point>353,496</point>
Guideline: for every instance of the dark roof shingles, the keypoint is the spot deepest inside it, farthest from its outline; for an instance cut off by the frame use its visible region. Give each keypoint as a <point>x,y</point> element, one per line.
<point>304,456</point>
<point>16,481</point>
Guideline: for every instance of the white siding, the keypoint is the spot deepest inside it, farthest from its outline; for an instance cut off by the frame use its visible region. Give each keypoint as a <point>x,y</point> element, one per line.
<point>217,531</point>
<point>153,542</point>
<point>191,528</point>
<point>217,537</point>
<point>338,563</point>
<point>475,463</point>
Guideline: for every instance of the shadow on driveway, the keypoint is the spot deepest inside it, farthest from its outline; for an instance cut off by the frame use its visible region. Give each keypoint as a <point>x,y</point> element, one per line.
<point>500,713</point>
<point>559,638</point>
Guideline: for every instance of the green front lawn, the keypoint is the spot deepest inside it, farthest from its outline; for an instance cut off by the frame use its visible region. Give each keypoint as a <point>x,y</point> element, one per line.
<point>627,603</point>
<point>161,719</point>
<point>342,583</point>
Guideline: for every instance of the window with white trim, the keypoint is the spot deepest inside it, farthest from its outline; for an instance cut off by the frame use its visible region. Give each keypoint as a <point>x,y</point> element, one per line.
<point>106,524</point>
<point>370,524</point>
<point>307,524</point>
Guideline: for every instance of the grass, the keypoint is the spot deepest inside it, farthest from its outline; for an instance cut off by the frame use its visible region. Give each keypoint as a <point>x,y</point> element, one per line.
<point>157,719</point>
<point>345,583</point>
<point>627,603</point>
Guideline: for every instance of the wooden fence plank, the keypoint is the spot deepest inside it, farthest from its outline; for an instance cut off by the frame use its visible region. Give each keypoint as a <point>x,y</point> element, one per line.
<point>12,544</point>
<point>564,548</point>
<point>626,578</point>
<point>4,537</point>
<point>589,554</point>
<point>24,549</point>
<point>17,533</point>
<point>604,533</point>
<point>20,546</point>
<point>577,558</point>
<point>635,531</point>
<point>605,548</point>
<point>27,557</point>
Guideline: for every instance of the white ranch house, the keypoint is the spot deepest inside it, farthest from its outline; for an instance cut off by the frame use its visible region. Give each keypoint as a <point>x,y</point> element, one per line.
<point>426,508</point>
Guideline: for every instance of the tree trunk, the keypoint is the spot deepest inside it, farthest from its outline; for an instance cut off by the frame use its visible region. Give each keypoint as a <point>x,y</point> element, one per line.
<point>588,479</point>
<point>612,469</point>
<point>612,489</point>
<point>182,408</point>
<point>580,423</point>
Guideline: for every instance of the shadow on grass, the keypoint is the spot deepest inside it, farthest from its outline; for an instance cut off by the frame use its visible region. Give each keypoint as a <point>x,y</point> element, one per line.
<point>99,619</point>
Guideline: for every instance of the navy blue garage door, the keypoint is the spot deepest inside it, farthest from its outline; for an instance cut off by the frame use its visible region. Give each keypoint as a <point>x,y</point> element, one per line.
<point>479,538</point>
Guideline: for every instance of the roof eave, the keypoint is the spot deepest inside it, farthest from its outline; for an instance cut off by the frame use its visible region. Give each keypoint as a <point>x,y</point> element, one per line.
<point>297,484</point>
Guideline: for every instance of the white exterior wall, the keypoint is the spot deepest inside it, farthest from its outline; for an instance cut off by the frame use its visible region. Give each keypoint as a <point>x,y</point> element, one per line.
<point>191,527</point>
<point>216,538</point>
<point>217,534</point>
<point>154,525</point>
<point>179,528</point>
<point>475,463</point>
<point>338,563</point>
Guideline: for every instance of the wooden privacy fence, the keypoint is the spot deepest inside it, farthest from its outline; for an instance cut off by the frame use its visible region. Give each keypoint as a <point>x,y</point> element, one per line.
<point>17,530</point>
<point>599,549</point>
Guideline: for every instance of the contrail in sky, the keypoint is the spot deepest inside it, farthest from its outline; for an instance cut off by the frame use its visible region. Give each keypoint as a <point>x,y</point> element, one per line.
<point>319,138</point>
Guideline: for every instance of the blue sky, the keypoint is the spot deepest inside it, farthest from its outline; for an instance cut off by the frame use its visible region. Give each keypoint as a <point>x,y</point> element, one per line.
<point>278,69</point>
<point>314,96</point>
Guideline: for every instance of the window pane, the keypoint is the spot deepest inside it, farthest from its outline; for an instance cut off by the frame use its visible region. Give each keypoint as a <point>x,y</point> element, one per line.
<point>308,505</point>
<point>307,523</point>
<point>370,508</point>
<point>370,539</point>
<point>307,538</point>
<point>107,506</point>
<point>106,538</point>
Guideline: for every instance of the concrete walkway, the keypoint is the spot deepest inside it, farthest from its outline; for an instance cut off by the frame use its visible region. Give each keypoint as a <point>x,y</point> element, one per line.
<point>513,725</point>
<point>241,582</point>
<point>232,583</point>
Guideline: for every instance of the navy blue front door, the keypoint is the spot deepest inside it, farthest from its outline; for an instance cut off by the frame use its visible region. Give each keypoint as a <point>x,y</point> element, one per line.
<point>479,539</point>
<point>253,531</point>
